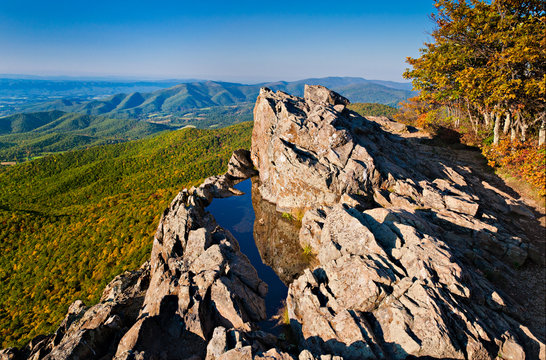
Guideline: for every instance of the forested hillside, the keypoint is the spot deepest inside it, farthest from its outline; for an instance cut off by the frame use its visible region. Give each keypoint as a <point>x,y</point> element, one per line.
<point>70,222</point>
<point>27,135</point>
<point>373,109</point>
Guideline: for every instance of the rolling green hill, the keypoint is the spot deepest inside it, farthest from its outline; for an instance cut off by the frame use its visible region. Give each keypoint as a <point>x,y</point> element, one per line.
<point>70,222</point>
<point>373,109</point>
<point>182,99</point>
<point>44,88</point>
<point>28,135</point>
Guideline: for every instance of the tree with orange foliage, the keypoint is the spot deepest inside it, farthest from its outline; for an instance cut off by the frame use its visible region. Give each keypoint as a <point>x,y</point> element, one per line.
<point>488,60</point>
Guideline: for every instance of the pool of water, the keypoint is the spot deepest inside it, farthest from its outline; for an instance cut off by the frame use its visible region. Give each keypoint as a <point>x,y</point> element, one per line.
<point>268,240</point>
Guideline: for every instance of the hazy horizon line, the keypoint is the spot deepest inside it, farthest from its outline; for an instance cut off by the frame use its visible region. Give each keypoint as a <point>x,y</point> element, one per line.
<point>108,77</point>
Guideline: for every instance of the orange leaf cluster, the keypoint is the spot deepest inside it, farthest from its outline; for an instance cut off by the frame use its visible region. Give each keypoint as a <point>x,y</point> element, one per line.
<point>523,159</point>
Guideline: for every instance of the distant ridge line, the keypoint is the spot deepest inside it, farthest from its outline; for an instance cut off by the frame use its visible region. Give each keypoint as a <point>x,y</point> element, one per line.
<point>195,95</point>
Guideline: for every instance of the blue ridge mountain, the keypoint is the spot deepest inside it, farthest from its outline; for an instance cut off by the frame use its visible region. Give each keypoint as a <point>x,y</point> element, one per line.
<point>183,97</point>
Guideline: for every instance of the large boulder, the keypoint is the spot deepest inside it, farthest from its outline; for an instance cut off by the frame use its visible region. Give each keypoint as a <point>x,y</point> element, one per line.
<point>302,151</point>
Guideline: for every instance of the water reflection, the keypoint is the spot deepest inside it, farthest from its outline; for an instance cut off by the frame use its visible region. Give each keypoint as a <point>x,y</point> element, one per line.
<point>277,239</point>
<point>268,240</point>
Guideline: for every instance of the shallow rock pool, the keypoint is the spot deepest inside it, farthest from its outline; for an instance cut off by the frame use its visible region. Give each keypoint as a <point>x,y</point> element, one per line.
<point>269,240</point>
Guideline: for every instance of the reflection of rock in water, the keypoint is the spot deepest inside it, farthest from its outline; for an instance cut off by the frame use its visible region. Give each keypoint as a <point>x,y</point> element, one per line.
<point>277,239</point>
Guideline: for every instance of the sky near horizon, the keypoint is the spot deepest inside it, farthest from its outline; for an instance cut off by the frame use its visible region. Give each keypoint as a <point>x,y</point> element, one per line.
<point>220,40</point>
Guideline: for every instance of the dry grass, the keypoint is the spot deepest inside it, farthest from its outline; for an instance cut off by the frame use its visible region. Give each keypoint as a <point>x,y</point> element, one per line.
<point>528,192</point>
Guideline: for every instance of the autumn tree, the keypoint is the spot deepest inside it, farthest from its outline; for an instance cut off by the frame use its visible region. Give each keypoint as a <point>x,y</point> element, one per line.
<point>488,60</point>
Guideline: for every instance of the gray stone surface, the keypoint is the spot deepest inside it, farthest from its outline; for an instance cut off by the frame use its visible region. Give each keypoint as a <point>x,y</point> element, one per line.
<point>389,284</point>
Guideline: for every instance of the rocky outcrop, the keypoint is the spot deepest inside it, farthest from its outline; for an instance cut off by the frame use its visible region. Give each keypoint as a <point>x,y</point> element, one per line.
<point>404,237</point>
<point>408,248</point>
<point>196,282</point>
<point>302,155</point>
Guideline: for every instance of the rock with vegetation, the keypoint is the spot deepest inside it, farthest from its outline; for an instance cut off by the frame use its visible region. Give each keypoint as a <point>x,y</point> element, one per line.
<point>85,216</point>
<point>196,281</point>
<point>410,250</point>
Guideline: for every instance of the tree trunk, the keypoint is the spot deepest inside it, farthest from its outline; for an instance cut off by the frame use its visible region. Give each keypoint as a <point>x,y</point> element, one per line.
<point>515,126</point>
<point>496,129</point>
<point>507,123</point>
<point>493,117</point>
<point>523,129</point>
<point>471,118</point>
<point>513,133</point>
<point>542,131</point>
<point>486,119</point>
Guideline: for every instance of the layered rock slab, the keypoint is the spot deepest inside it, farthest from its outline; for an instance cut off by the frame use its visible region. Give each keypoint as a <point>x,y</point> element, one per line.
<point>302,155</point>
<point>403,237</point>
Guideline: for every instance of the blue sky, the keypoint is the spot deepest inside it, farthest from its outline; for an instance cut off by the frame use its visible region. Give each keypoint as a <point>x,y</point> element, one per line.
<point>220,40</point>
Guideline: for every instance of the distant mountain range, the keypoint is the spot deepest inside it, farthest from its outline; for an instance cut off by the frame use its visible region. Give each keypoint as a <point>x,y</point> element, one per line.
<point>181,98</point>
<point>47,88</point>
<point>27,135</point>
<point>41,127</point>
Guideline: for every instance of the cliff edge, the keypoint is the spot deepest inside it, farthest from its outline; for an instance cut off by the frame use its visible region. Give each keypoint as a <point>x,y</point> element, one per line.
<point>410,248</point>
